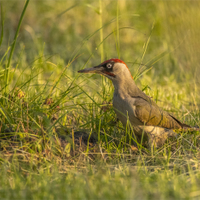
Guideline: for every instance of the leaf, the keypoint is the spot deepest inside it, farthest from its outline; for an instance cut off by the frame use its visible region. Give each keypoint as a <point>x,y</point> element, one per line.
<point>67,149</point>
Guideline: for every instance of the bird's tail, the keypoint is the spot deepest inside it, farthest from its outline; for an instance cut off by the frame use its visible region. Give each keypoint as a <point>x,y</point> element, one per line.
<point>195,128</point>
<point>190,128</point>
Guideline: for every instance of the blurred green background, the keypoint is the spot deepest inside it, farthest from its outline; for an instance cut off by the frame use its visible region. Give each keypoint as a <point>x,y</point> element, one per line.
<point>64,29</point>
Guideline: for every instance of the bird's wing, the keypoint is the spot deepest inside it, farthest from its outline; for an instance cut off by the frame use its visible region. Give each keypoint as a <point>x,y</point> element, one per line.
<point>150,114</point>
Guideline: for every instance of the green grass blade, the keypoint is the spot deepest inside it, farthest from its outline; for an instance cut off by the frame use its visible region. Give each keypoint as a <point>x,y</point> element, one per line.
<point>7,72</point>
<point>5,114</point>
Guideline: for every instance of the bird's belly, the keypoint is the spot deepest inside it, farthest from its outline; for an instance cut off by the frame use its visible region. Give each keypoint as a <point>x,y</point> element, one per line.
<point>125,109</point>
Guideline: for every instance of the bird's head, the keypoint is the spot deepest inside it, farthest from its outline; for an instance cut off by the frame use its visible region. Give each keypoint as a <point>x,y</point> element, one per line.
<point>114,69</point>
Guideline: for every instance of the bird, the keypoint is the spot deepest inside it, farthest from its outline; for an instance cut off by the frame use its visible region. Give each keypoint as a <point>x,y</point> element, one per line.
<point>147,119</point>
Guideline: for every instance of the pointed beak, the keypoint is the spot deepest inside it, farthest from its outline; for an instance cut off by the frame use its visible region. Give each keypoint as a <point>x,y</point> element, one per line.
<point>96,69</point>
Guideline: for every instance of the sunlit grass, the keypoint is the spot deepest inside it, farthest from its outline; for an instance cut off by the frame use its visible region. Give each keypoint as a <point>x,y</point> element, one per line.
<point>60,138</point>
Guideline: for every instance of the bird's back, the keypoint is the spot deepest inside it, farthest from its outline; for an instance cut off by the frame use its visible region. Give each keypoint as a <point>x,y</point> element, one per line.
<point>141,109</point>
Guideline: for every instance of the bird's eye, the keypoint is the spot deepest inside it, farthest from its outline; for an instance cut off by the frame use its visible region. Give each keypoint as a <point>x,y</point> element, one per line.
<point>109,65</point>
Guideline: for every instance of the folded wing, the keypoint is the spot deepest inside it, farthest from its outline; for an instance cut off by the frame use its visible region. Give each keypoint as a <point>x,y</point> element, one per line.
<point>150,114</point>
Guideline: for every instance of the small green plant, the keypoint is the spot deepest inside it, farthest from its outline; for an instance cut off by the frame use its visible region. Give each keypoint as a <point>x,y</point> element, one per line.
<point>59,136</point>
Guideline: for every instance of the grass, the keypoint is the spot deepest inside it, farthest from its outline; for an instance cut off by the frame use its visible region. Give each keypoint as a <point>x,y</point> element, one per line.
<point>59,137</point>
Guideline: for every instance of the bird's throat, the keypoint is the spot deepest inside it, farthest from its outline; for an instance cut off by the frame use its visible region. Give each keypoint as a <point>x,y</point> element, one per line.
<point>125,87</point>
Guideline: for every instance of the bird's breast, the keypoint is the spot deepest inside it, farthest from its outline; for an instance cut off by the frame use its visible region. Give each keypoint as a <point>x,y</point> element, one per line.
<point>124,107</point>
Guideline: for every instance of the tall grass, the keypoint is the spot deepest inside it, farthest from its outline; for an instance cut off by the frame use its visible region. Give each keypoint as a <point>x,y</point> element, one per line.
<point>59,136</point>
<point>7,72</point>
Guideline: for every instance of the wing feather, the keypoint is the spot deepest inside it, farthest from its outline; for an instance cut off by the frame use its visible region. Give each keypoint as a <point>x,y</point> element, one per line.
<point>150,114</point>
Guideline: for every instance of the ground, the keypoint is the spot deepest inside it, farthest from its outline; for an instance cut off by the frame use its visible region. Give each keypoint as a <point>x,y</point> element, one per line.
<point>59,135</point>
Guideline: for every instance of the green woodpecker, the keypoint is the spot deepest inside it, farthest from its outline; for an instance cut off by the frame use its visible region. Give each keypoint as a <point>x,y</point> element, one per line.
<point>145,116</point>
